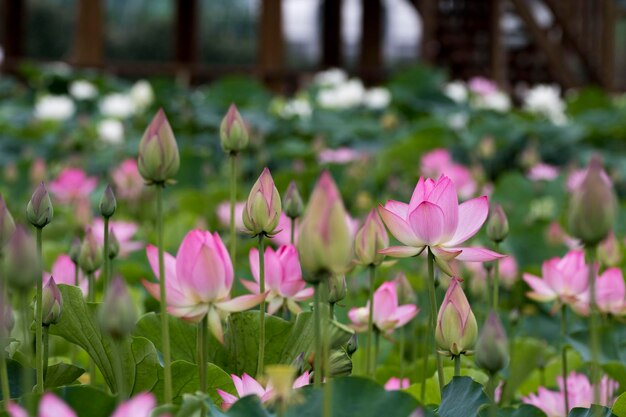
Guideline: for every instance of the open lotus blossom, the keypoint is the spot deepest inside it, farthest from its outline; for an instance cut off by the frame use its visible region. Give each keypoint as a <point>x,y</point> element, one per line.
<point>434,218</point>
<point>395,384</point>
<point>610,294</point>
<point>542,172</point>
<point>72,185</point>
<point>223,214</point>
<point>246,385</point>
<point>283,278</point>
<point>124,232</point>
<point>387,315</point>
<point>564,279</point>
<point>439,161</point>
<point>199,280</point>
<point>579,394</point>
<point>63,270</point>
<point>129,184</point>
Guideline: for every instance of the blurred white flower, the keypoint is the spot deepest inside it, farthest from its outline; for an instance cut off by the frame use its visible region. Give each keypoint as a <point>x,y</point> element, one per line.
<point>142,94</point>
<point>54,108</point>
<point>545,100</point>
<point>83,90</point>
<point>117,105</point>
<point>497,101</point>
<point>456,91</point>
<point>297,107</point>
<point>342,96</point>
<point>458,120</point>
<point>111,131</point>
<point>377,98</point>
<point>330,77</point>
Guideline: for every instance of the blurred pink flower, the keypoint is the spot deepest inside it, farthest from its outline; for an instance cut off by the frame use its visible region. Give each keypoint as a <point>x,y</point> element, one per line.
<point>343,155</point>
<point>564,279</point>
<point>283,278</point>
<point>556,235</point>
<point>51,406</point>
<point>63,270</point>
<point>542,172</point>
<point>129,184</point>
<point>72,185</point>
<point>482,86</point>
<point>124,232</point>
<point>439,162</point>
<point>508,274</point>
<point>395,384</point>
<point>576,178</point>
<point>388,315</point>
<point>15,410</point>
<point>199,280</point>
<point>610,294</point>
<point>433,218</point>
<point>246,385</point>
<point>141,405</point>
<point>223,214</point>
<point>283,235</point>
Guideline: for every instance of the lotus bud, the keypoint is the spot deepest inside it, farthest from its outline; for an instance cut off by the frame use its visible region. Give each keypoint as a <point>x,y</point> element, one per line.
<point>370,239</point>
<point>75,250</point>
<point>117,315</point>
<point>456,325</point>
<point>52,303</point>
<point>7,321</point>
<point>337,288</point>
<point>90,258</point>
<point>108,203</point>
<point>406,293</point>
<point>114,245</point>
<point>263,207</point>
<point>340,363</point>
<point>593,206</point>
<point>21,252</point>
<point>353,344</point>
<point>492,348</point>
<point>610,251</point>
<point>233,131</point>
<point>158,159</point>
<point>292,202</point>
<point>7,225</point>
<point>39,211</point>
<point>498,224</point>
<point>325,241</point>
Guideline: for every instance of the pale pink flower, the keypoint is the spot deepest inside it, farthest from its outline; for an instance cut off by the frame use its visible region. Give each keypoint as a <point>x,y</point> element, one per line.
<point>246,385</point>
<point>556,235</point>
<point>199,280</point>
<point>610,294</point>
<point>482,86</point>
<point>63,270</point>
<point>15,410</point>
<point>387,315</point>
<point>395,384</point>
<point>542,172</point>
<point>141,405</point>
<point>576,178</point>
<point>72,185</point>
<point>343,155</point>
<point>223,214</point>
<point>284,285</point>
<point>508,274</point>
<point>439,161</point>
<point>51,406</point>
<point>433,218</point>
<point>129,184</point>
<point>124,232</point>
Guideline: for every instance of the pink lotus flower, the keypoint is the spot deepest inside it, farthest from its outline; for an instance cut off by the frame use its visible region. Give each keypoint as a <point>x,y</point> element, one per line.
<point>576,178</point>
<point>439,161</point>
<point>141,405</point>
<point>283,278</point>
<point>72,185</point>
<point>556,235</point>
<point>542,172</point>
<point>129,184</point>
<point>509,275</point>
<point>15,410</point>
<point>223,214</point>
<point>433,218</point>
<point>610,294</point>
<point>283,235</point>
<point>124,232</point>
<point>482,86</point>
<point>395,384</point>
<point>457,329</point>
<point>63,270</point>
<point>343,155</point>
<point>563,279</point>
<point>199,280</point>
<point>388,315</point>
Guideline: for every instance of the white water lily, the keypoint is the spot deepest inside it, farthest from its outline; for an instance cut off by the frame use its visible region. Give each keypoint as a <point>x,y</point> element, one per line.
<point>54,108</point>
<point>142,94</point>
<point>83,90</point>
<point>111,131</point>
<point>545,100</point>
<point>117,105</point>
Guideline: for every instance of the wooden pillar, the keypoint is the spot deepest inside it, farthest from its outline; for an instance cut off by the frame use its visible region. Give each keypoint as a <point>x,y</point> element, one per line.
<point>89,35</point>
<point>429,46</point>
<point>271,42</point>
<point>608,44</point>
<point>186,30</point>
<point>498,58</point>
<point>371,37</point>
<point>331,33</point>
<point>14,29</point>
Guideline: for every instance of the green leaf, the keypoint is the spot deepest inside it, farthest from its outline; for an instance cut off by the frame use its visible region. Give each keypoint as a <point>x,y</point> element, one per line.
<point>526,355</point>
<point>619,408</point>
<point>85,400</point>
<point>462,397</point>
<point>594,411</point>
<point>524,410</point>
<point>249,406</point>
<point>62,374</point>
<point>184,333</point>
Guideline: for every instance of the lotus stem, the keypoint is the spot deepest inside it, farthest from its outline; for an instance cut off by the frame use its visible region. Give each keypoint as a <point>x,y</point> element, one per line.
<point>46,346</point>
<point>317,365</point>
<point>202,347</point>
<point>594,326</point>
<point>401,347</point>
<point>105,251</point>
<point>233,201</point>
<point>370,322</point>
<point>496,281</point>
<point>292,238</point>
<point>76,283</point>
<point>492,384</point>
<point>376,347</point>
<point>427,339</point>
<point>91,288</point>
<point>39,315</point>
<point>27,383</point>
<point>261,358</point>
<point>564,355</point>
<point>4,377</point>
<point>433,316</point>
<point>457,365</point>
<point>327,410</point>
<point>119,372</point>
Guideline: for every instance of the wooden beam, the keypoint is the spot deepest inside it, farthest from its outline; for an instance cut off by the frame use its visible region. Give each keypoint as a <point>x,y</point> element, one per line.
<point>371,37</point>
<point>498,59</point>
<point>187,12</point>
<point>429,48</point>
<point>271,42</point>
<point>89,35</point>
<point>608,44</point>
<point>14,29</point>
<point>331,33</point>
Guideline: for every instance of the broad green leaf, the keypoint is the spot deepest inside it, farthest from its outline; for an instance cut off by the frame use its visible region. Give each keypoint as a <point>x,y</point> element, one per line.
<point>181,332</point>
<point>619,408</point>
<point>249,406</point>
<point>85,400</point>
<point>62,374</point>
<point>524,410</point>
<point>594,411</point>
<point>526,355</point>
<point>462,397</point>
<point>551,371</point>
<point>432,395</point>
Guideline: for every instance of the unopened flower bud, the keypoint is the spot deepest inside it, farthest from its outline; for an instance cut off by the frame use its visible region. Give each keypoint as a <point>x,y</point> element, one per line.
<point>90,258</point>
<point>263,207</point>
<point>456,325</point>
<point>353,344</point>
<point>492,349</point>
<point>498,224</point>
<point>52,303</point>
<point>114,245</point>
<point>158,159</point>
<point>7,225</point>
<point>117,315</point>
<point>610,251</point>
<point>21,253</point>
<point>7,321</point>
<point>593,206</point>
<point>74,252</point>
<point>340,363</point>
<point>337,288</point>
<point>292,202</point>
<point>233,131</point>
<point>406,293</point>
<point>39,211</point>
<point>370,239</point>
<point>108,203</point>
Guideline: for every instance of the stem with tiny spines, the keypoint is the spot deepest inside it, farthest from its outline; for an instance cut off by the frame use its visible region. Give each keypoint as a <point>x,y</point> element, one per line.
<point>292,238</point>
<point>496,281</point>
<point>376,347</point>
<point>401,354</point>
<point>45,340</point>
<point>564,355</point>
<point>594,325</point>
<point>233,202</point>
<point>261,358</point>
<point>317,365</point>
<point>492,384</point>
<point>370,321</point>
<point>427,339</point>
<point>105,252</point>
<point>433,316</point>
<point>457,365</point>
<point>327,406</point>
<point>202,350</point>
<point>27,382</point>
<point>118,371</point>
<point>76,283</point>
<point>39,315</point>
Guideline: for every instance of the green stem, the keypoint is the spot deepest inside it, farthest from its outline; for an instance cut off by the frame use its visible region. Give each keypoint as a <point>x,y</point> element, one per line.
<point>27,382</point>
<point>76,283</point>
<point>4,377</point>
<point>317,365</point>
<point>202,350</point>
<point>433,316</point>
<point>496,282</point>
<point>457,365</point>
<point>91,288</point>
<point>327,410</point>
<point>492,384</point>
<point>46,346</point>
<point>165,329</point>
<point>401,354</point>
<point>105,251</point>
<point>426,345</point>
<point>292,239</point>
<point>376,347</point>
<point>564,355</point>
<point>119,372</point>
<point>370,322</point>
<point>39,315</point>
<point>233,201</point>
<point>594,325</point>
<point>331,311</point>
<point>261,358</point>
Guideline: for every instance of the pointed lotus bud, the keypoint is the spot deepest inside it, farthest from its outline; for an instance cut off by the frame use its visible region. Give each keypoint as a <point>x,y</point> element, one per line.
<point>263,207</point>
<point>52,303</point>
<point>114,245</point>
<point>456,325</point>
<point>340,363</point>
<point>498,224</point>
<point>75,250</point>
<point>406,293</point>
<point>370,239</point>
<point>108,203</point>
<point>337,288</point>
<point>7,225</point>
<point>117,314</point>
<point>492,347</point>
<point>353,344</point>
<point>90,258</point>
<point>325,240</point>
<point>593,206</point>
<point>292,202</point>
<point>39,210</point>
<point>158,159</point>
<point>21,252</point>
<point>610,251</point>
<point>233,131</point>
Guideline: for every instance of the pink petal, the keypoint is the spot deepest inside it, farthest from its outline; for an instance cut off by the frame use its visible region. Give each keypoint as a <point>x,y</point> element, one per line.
<point>141,405</point>
<point>228,399</point>
<point>215,325</point>
<point>472,215</point>
<point>404,314</point>
<point>51,406</point>
<point>241,303</point>
<point>419,194</point>
<point>445,197</point>
<point>399,228</point>
<point>302,380</point>
<point>16,411</point>
<point>304,294</point>
<point>445,254</point>
<point>253,287</point>
<point>169,263</point>
<point>401,251</point>
<point>610,290</point>
<point>478,255</point>
<point>541,290</point>
<point>251,386</point>
<point>398,208</point>
<point>427,222</point>
<point>385,301</point>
